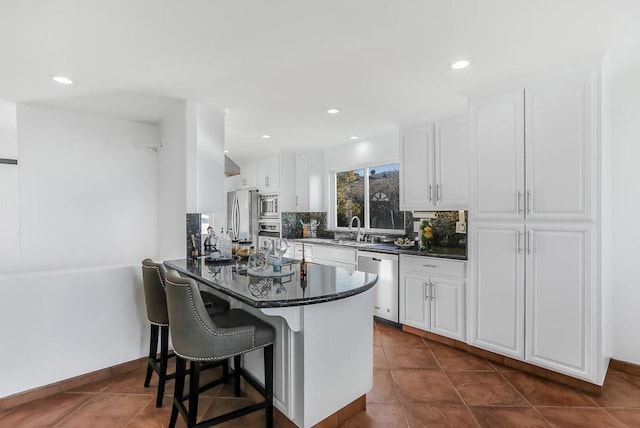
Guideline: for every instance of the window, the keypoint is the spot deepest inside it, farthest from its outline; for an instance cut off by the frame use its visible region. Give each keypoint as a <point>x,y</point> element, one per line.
<point>381,208</point>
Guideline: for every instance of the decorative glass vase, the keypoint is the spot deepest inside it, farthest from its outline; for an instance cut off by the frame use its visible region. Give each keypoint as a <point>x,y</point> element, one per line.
<point>426,236</point>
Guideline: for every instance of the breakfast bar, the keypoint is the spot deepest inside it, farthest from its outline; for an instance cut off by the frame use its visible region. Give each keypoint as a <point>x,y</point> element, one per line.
<point>323,352</point>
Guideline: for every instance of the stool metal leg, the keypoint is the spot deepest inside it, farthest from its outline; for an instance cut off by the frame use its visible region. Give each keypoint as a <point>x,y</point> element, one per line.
<point>153,351</point>
<point>178,391</point>
<point>268,384</point>
<point>164,355</point>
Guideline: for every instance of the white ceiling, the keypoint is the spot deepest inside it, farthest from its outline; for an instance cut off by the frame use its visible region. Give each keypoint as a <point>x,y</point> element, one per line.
<point>277,65</point>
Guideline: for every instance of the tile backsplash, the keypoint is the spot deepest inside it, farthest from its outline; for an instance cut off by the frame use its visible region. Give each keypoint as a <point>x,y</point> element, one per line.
<point>444,229</point>
<point>292,224</point>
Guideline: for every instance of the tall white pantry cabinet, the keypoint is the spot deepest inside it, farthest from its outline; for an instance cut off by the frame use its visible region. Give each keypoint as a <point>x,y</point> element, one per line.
<point>537,289</point>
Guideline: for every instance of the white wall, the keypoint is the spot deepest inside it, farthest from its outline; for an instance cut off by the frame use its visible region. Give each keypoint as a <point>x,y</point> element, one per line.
<point>172,202</point>
<point>626,208</point>
<point>72,301</point>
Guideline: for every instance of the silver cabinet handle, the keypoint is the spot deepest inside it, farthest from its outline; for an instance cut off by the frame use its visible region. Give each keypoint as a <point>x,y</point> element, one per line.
<point>519,248</point>
<point>432,293</point>
<point>430,193</point>
<point>438,195</point>
<point>425,287</point>
<point>430,266</point>
<point>519,200</point>
<point>244,181</point>
<point>528,202</point>
<point>529,239</point>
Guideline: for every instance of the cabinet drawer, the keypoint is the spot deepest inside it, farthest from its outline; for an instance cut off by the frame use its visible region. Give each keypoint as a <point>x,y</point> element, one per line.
<point>346,255</point>
<point>433,266</point>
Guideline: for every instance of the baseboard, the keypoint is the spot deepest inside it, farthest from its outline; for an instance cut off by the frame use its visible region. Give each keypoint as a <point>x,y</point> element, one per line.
<point>510,362</point>
<point>68,384</point>
<point>623,366</point>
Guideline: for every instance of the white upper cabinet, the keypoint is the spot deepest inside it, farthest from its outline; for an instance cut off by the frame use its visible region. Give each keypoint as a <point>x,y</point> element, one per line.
<point>559,144</point>
<point>532,152</point>
<point>434,165</point>
<point>416,165</point>
<point>497,152</point>
<point>309,181</point>
<point>249,175</point>
<point>452,164</point>
<point>269,174</point>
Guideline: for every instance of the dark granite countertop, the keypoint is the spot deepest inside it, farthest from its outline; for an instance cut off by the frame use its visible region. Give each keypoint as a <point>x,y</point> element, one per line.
<point>391,248</point>
<point>323,283</point>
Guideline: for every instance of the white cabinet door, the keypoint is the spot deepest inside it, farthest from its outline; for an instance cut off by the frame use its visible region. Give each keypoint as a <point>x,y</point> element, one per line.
<point>452,164</point>
<point>269,173</point>
<point>497,153</point>
<point>416,168</point>
<point>559,295</point>
<point>9,211</point>
<point>447,307</point>
<point>560,144</point>
<point>496,297</point>
<point>302,182</point>
<point>414,305</point>
<point>249,175</point>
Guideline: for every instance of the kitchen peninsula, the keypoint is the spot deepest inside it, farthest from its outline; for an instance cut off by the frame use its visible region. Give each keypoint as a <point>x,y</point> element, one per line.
<point>323,353</point>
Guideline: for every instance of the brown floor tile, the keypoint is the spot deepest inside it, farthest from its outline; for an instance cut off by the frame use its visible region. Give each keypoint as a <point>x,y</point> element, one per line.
<point>425,386</point>
<point>618,392</point>
<point>630,417</point>
<point>541,392</point>
<point>486,389</point>
<point>45,412</point>
<point>106,410</point>
<point>94,387</point>
<point>133,383</point>
<point>425,415</point>
<point>378,416</point>
<point>410,358</point>
<point>629,378</point>
<point>379,360</point>
<point>376,338</point>
<point>454,360</point>
<point>383,390</point>
<point>221,406</point>
<point>508,417</point>
<point>395,337</point>
<point>579,417</point>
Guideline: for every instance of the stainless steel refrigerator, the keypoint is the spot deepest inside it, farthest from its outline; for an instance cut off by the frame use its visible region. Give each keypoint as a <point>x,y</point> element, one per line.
<point>242,215</point>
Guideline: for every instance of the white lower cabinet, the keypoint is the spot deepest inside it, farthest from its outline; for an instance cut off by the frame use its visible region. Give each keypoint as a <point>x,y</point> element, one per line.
<point>432,295</point>
<point>531,294</point>
<point>337,257</point>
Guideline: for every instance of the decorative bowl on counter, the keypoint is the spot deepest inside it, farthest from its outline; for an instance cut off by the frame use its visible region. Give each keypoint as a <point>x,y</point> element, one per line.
<point>404,243</point>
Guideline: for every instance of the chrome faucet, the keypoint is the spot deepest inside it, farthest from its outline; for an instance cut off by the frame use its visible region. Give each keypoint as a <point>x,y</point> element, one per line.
<point>360,234</point>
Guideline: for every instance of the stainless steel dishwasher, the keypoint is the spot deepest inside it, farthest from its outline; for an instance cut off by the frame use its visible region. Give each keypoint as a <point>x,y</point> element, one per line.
<point>386,267</point>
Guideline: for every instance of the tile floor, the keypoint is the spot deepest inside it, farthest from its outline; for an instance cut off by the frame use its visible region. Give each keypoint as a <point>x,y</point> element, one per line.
<point>417,383</point>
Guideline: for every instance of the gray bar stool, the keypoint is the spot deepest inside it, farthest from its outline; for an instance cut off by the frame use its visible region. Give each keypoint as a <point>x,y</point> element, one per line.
<point>199,338</point>
<point>153,277</point>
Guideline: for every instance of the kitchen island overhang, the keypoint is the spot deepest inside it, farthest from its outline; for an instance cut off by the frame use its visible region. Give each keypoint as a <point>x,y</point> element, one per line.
<point>323,352</point>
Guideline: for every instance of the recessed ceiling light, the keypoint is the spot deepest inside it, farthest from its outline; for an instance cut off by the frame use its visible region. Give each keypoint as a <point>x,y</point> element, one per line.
<point>333,110</point>
<point>62,79</point>
<point>266,136</point>
<point>354,137</point>
<point>460,64</point>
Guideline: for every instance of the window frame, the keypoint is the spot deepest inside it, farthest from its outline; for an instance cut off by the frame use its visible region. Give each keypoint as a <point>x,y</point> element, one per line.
<point>366,222</point>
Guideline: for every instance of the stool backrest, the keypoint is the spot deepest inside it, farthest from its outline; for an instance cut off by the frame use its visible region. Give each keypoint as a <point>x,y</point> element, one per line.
<point>153,277</point>
<point>194,333</point>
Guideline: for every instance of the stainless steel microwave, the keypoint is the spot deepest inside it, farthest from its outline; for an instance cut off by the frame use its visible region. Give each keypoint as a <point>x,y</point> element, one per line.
<point>268,204</point>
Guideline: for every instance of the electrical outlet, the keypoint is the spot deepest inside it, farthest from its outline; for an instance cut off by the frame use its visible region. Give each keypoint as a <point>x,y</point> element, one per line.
<point>416,226</point>
<point>461,227</point>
